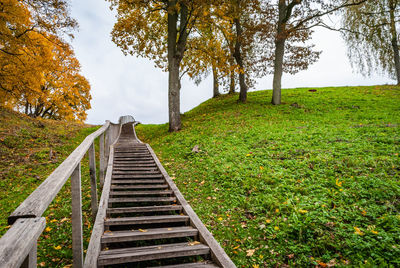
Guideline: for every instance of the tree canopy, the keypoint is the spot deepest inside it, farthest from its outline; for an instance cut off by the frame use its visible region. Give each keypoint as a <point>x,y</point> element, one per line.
<point>39,74</point>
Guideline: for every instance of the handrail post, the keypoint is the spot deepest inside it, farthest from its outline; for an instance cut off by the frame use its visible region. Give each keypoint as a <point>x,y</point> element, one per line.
<point>77,239</point>
<point>31,260</point>
<point>108,142</point>
<point>102,160</point>
<point>93,180</point>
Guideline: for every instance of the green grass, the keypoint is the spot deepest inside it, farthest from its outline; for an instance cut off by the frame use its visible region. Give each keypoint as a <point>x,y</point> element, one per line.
<point>30,149</point>
<point>314,181</point>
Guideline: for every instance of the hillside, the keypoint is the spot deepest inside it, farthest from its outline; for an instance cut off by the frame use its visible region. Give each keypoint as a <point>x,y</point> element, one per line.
<point>30,149</point>
<point>314,181</point>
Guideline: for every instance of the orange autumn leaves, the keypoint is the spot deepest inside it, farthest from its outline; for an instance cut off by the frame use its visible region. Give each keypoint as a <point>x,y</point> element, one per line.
<point>39,74</point>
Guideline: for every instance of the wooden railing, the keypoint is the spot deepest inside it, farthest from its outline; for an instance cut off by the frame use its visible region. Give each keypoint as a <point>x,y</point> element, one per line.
<point>18,247</point>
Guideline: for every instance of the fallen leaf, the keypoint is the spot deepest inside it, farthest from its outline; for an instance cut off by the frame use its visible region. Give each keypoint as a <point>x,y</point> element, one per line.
<point>143,231</point>
<point>250,252</point>
<point>193,243</point>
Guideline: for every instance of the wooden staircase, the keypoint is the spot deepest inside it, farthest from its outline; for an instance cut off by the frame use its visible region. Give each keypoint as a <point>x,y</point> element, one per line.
<point>141,219</point>
<point>146,222</point>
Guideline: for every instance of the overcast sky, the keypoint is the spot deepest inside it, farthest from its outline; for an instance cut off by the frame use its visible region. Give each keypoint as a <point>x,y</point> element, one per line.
<point>126,85</point>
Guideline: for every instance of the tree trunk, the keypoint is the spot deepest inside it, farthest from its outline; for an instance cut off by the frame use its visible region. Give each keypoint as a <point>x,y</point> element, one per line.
<point>232,78</point>
<point>279,53</point>
<point>239,60</point>
<point>215,82</point>
<point>174,97</point>
<point>395,44</point>
<point>173,69</point>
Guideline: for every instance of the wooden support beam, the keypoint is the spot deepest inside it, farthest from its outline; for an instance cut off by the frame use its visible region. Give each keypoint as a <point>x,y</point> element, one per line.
<point>31,260</point>
<point>77,239</point>
<point>93,180</point>
<point>102,160</point>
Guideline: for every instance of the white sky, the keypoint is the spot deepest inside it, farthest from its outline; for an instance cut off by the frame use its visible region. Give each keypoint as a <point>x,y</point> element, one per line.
<point>126,85</point>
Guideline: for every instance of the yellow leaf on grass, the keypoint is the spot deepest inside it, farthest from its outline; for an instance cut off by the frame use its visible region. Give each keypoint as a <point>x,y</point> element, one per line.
<point>250,252</point>
<point>220,218</point>
<point>358,231</point>
<point>303,211</point>
<point>48,229</point>
<point>57,247</point>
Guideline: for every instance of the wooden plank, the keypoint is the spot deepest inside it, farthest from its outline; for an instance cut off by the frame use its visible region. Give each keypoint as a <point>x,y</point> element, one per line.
<point>94,247</point>
<point>203,264</point>
<point>128,154</point>
<point>145,181</point>
<point>19,241</point>
<point>138,254</point>
<point>148,234</point>
<point>135,168</point>
<point>131,193</point>
<point>218,255</point>
<point>142,199</point>
<point>145,220</point>
<point>38,201</point>
<point>102,160</point>
<point>153,176</point>
<point>77,238</point>
<point>31,260</point>
<point>144,186</point>
<point>136,172</point>
<point>144,209</point>
<point>93,180</point>
<point>135,163</point>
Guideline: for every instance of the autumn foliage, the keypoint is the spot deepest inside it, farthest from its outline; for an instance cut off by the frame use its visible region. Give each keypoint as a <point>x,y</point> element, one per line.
<point>39,74</point>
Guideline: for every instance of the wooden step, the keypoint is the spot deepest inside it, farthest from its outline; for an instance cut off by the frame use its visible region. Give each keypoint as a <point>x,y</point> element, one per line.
<point>142,199</point>
<point>145,181</point>
<point>132,151</point>
<point>134,187</point>
<point>202,264</point>
<point>144,209</point>
<point>119,193</point>
<point>146,220</point>
<point>134,168</point>
<point>130,158</point>
<point>148,234</point>
<point>127,155</point>
<point>138,254</point>
<point>136,172</point>
<point>151,176</point>
<point>134,163</point>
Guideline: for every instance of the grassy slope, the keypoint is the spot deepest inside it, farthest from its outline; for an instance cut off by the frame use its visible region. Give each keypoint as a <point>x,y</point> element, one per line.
<point>313,181</point>
<point>25,146</point>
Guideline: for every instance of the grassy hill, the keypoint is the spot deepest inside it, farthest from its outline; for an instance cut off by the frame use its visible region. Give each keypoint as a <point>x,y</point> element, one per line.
<point>315,181</point>
<point>30,149</point>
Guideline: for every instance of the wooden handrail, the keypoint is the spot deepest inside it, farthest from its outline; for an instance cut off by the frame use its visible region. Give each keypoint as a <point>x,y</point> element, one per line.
<point>39,200</point>
<point>18,246</point>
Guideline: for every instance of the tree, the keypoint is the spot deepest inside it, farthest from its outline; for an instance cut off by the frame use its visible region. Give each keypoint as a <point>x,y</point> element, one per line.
<point>39,74</point>
<point>64,93</point>
<point>370,32</point>
<point>293,21</point>
<point>159,30</point>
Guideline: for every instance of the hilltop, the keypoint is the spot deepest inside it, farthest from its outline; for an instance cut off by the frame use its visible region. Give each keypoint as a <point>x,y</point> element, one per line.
<point>314,181</point>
